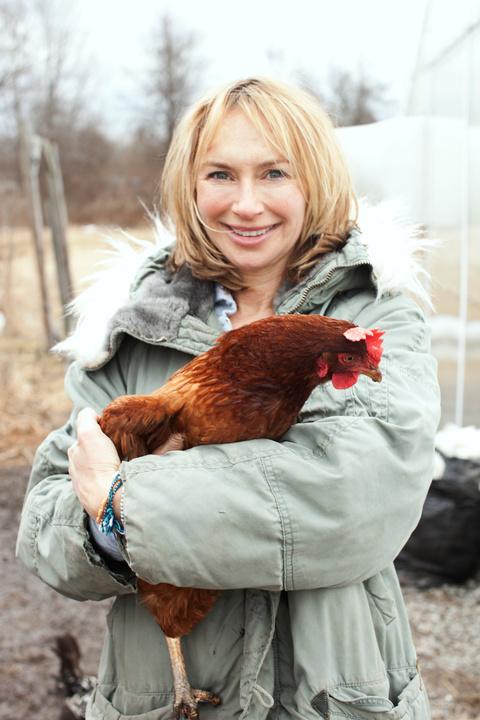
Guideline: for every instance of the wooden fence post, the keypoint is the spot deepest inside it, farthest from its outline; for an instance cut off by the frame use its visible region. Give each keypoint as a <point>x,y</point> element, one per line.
<point>57,212</point>
<point>30,158</point>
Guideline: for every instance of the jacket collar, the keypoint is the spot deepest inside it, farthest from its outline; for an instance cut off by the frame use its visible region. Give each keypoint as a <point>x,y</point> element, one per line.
<point>136,295</point>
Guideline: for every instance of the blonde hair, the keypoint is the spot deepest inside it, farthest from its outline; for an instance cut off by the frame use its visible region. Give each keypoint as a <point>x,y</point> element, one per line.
<point>294,123</point>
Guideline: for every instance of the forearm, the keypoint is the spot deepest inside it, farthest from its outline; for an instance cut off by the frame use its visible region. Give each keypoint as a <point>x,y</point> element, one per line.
<point>192,529</point>
<point>54,543</point>
<point>281,518</point>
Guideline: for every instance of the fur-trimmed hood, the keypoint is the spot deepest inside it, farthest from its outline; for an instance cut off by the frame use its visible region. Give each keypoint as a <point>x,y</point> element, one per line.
<point>134,294</point>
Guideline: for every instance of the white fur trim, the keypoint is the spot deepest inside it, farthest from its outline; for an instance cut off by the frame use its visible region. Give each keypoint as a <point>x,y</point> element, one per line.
<point>393,245</point>
<point>395,248</point>
<point>108,290</point>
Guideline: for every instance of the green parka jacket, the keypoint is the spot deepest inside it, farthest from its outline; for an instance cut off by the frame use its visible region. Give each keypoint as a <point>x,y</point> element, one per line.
<point>309,525</point>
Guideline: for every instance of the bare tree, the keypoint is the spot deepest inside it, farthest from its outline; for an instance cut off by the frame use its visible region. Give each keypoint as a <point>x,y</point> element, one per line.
<point>62,69</point>
<point>45,70</point>
<point>11,64</point>
<point>349,99</point>
<point>174,73</point>
<point>43,65</point>
<point>14,60</point>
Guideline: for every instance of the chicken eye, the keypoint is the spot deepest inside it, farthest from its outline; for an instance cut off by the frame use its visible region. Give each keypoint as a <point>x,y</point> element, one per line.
<point>346,359</point>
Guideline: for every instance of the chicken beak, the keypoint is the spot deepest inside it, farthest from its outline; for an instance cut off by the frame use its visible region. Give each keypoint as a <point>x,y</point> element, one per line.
<point>374,374</point>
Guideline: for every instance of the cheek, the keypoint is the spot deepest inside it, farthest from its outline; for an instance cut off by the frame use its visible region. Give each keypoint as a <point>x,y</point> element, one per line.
<point>292,205</point>
<point>210,201</point>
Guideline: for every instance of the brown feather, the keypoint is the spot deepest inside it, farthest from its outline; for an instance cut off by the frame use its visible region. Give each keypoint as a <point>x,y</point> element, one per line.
<point>177,610</point>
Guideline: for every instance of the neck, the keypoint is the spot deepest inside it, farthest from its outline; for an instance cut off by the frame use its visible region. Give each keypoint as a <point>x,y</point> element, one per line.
<point>256,300</point>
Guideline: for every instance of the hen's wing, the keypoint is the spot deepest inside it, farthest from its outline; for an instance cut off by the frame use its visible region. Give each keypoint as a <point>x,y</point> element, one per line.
<point>137,424</point>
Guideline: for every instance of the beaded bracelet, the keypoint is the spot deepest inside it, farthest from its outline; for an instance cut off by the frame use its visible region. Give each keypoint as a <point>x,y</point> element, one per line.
<point>106,519</point>
<point>122,507</point>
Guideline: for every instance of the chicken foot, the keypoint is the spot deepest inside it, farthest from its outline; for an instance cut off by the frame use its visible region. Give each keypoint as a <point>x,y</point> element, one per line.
<point>186,699</point>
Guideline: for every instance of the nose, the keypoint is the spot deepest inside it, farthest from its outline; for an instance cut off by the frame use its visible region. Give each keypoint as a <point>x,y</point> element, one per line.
<point>247,203</point>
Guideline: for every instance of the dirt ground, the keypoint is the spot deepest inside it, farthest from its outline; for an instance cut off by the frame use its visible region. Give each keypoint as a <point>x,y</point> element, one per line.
<point>32,402</point>
<point>31,616</point>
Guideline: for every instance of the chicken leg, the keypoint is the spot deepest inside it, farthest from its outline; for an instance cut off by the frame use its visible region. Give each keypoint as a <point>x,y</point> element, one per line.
<point>186,699</point>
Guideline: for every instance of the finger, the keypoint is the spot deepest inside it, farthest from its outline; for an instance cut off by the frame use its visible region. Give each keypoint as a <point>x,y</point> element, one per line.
<point>71,460</point>
<point>176,441</point>
<point>73,448</point>
<point>86,420</point>
<point>87,415</point>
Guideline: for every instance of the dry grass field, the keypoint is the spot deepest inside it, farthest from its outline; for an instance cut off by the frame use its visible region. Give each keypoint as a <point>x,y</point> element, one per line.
<point>32,402</point>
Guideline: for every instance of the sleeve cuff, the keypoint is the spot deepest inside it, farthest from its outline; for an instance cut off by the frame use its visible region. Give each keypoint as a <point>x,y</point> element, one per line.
<point>107,544</point>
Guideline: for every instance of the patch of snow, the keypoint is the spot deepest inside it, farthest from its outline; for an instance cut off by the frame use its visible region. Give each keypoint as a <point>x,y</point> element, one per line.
<point>459,442</point>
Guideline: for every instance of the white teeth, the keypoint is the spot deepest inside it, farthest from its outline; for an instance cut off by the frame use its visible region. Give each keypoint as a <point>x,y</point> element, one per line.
<point>251,233</point>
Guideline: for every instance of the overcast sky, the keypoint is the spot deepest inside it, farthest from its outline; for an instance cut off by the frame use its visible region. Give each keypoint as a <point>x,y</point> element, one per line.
<point>239,39</point>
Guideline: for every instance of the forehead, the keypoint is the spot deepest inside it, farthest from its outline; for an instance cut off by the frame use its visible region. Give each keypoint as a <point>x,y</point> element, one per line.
<point>237,137</point>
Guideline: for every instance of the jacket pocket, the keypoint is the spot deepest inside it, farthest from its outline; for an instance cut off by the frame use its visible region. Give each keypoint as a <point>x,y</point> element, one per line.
<point>351,703</point>
<point>99,708</point>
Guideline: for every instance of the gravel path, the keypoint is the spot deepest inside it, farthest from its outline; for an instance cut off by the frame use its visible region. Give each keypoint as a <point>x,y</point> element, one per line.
<point>446,627</point>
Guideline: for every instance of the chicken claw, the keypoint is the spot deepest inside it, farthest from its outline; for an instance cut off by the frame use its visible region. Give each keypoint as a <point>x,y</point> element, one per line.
<point>186,699</point>
<point>186,703</point>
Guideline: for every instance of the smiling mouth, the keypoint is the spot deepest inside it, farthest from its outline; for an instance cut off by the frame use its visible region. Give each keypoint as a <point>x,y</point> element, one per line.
<point>255,232</point>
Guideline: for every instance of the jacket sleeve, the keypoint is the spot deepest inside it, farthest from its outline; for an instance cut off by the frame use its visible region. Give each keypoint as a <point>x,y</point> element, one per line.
<point>53,539</point>
<point>331,504</point>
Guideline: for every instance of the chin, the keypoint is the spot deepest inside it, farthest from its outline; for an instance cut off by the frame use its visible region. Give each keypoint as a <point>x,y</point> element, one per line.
<point>254,258</point>
<point>248,266</point>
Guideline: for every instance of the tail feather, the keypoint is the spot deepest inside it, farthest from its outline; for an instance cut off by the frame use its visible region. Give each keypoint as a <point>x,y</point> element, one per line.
<point>176,609</point>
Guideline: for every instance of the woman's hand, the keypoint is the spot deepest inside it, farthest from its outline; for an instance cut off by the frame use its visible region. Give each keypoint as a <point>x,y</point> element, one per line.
<point>176,441</point>
<point>92,462</point>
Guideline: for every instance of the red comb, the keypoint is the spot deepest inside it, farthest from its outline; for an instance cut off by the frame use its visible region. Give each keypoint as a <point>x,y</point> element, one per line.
<point>373,341</point>
<point>375,345</point>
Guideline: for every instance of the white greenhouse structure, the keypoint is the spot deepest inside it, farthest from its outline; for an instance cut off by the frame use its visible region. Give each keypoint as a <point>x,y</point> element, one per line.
<point>429,160</point>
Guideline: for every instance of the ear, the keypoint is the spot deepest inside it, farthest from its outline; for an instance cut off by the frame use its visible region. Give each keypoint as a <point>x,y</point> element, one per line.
<point>322,367</point>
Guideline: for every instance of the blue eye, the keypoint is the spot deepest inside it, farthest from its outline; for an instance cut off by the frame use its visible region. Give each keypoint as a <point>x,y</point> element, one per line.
<point>218,175</point>
<point>280,173</point>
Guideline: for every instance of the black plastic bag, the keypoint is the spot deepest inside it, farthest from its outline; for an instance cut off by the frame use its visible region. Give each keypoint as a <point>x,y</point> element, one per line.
<point>445,546</point>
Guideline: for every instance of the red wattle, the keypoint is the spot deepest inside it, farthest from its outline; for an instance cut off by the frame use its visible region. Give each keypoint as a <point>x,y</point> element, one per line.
<point>341,381</point>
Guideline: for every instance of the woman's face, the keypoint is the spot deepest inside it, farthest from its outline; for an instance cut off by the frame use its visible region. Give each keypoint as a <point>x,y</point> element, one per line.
<point>249,199</point>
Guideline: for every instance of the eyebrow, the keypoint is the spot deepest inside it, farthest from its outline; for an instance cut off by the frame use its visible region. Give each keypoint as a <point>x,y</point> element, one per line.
<point>216,163</point>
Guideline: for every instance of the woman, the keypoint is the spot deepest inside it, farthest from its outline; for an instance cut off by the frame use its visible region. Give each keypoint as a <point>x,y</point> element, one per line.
<point>300,534</point>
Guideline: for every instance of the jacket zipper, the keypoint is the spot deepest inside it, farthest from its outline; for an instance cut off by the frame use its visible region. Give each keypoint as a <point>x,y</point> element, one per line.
<point>328,276</point>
